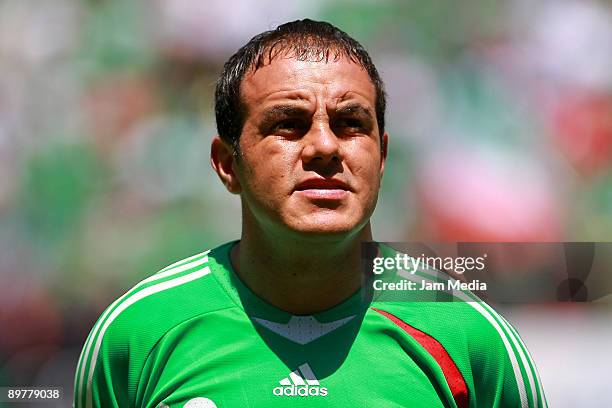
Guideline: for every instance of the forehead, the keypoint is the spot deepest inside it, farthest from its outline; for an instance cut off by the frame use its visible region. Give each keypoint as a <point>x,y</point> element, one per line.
<point>332,81</point>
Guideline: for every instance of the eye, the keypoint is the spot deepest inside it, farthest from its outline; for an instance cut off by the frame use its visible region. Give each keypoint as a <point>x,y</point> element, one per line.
<point>289,126</point>
<point>351,125</point>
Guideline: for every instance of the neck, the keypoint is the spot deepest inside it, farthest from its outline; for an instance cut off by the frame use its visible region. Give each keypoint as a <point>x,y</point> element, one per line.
<point>301,275</point>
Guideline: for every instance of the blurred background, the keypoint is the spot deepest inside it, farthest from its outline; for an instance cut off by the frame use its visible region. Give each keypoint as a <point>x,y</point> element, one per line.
<point>500,122</point>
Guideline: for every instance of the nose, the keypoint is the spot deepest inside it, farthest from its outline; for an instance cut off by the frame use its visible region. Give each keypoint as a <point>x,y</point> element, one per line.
<point>321,145</point>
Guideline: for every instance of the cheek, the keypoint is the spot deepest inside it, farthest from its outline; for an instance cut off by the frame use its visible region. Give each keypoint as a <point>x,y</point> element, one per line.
<point>366,165</point>
<point>268,169</point>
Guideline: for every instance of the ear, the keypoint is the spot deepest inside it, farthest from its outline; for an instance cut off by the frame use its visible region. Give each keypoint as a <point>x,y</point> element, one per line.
<point>223,162</point>
<point>383,152</point>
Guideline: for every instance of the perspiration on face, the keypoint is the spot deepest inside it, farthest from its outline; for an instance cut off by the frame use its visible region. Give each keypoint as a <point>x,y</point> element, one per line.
<point>309,120</point>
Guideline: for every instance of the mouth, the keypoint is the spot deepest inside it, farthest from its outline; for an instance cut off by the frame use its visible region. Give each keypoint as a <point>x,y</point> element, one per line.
<point>323,189</point>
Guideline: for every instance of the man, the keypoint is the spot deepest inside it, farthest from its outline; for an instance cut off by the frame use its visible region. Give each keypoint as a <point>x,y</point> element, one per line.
<point>282,317</point>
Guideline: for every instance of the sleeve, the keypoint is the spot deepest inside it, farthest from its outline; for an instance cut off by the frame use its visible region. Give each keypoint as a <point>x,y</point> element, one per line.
<point>102,376</point>
<point>504,374</point>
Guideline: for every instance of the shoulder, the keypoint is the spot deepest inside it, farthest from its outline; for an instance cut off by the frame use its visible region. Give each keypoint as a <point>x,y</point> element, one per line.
<point>456,317</point>
<point>177,293</point>
<point>467,324</point>
<point>486,348</point>
<point>128,330</point>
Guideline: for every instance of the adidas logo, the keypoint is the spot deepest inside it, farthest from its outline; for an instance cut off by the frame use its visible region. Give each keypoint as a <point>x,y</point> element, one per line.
<point>300,383</point>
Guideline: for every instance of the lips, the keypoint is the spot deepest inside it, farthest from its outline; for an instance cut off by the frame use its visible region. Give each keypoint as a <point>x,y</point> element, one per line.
<point>322,184</point>
<point>322,190</point>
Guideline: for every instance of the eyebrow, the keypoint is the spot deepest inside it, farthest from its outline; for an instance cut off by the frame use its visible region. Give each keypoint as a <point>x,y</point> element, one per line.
<point>291,111</point>
<point>282,111</point>
<point>355,109</point>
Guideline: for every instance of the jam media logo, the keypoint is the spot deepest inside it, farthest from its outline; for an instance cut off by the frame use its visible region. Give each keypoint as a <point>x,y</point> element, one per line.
<point>300,383</point>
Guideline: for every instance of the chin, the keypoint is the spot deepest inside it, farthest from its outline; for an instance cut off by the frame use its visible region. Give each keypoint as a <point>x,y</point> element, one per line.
<point>323,237</point>
<point>328,227</point>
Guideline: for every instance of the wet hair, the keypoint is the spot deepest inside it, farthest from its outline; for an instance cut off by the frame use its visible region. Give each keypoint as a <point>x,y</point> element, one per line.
<point>305,40</point>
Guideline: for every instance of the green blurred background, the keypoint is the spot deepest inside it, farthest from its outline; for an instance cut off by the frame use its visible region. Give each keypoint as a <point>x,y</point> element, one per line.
<point>500,122</point>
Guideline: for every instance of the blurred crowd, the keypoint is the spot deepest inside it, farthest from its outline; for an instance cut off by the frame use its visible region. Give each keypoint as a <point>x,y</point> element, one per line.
<point>500,122</point>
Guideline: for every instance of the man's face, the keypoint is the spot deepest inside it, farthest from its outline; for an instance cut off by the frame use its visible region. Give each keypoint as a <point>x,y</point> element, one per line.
<point>311,156</point>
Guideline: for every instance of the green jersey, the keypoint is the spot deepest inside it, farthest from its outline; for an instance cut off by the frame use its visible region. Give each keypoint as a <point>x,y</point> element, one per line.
<point>193,335</point>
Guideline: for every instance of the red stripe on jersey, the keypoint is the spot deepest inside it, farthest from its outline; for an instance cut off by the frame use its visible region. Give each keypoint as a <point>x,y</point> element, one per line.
<point>453,376</point>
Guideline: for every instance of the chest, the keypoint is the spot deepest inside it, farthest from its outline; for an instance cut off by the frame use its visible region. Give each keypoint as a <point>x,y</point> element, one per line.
<point>254,367</point>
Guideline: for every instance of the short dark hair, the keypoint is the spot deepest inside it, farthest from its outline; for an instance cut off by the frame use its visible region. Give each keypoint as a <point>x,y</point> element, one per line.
<point>301,39</point>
